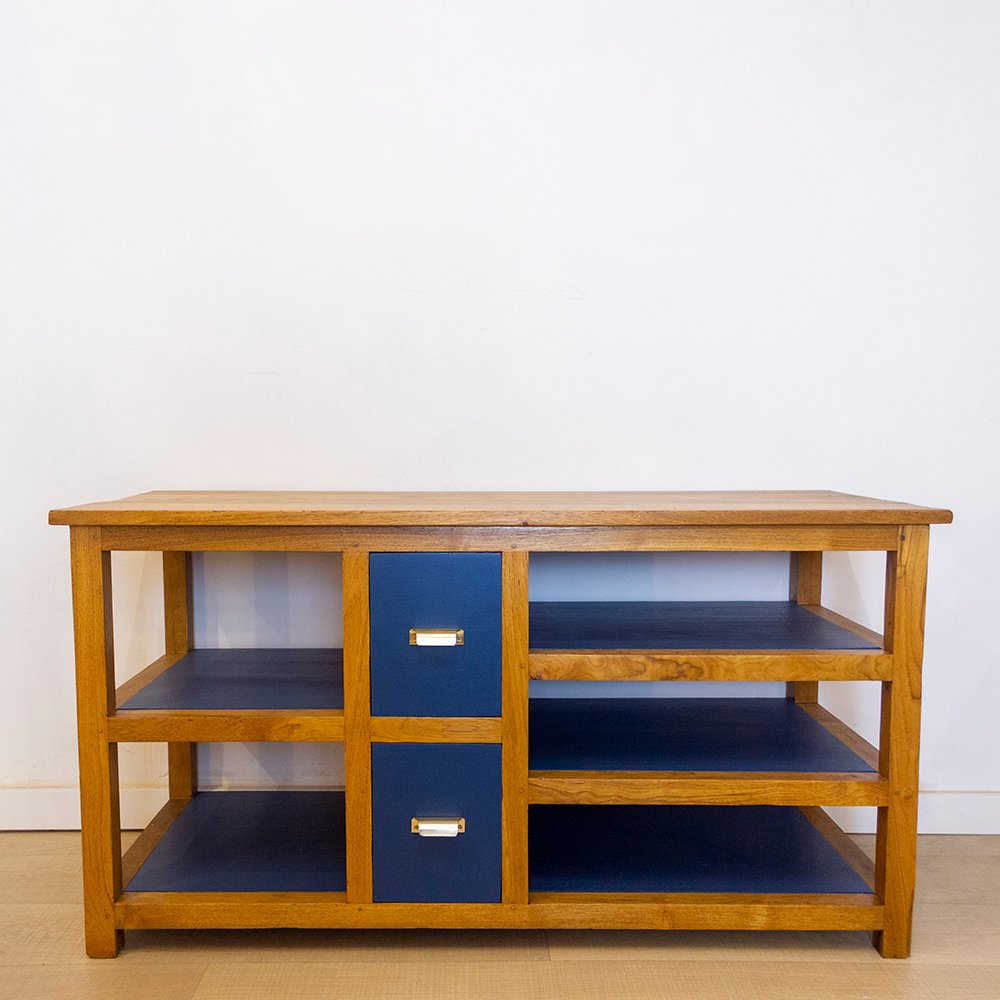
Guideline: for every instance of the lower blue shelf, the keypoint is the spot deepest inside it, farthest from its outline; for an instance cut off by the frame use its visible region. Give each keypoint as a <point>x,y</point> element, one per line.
<point>294,842</point>
<point>251,842</point>
<point>755,849</point>
<point>682,734</point>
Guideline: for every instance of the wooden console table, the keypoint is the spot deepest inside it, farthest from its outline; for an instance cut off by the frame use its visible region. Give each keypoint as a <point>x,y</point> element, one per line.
<point>467,803</point>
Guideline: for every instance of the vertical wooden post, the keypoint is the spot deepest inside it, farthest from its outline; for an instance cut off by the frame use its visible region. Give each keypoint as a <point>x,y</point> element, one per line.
<point>178,622</point>
<point>805,587</point>
<point>514,727</point>
<point>357,728</point>
<point>95,696</point>
<point>896,835</point>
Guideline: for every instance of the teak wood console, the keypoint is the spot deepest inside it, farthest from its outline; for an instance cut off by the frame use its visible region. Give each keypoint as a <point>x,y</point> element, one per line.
<point>467,803</point>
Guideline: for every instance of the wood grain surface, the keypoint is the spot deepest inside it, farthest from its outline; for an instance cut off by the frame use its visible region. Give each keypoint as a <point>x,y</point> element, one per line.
<point>95,692</point>
<point>524,509</point>
<point>899,745</point>
<point>457,538</point>
<point>178,630</point>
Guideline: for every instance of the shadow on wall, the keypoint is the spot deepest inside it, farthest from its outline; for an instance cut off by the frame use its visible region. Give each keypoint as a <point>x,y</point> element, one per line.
<point>268,599</point>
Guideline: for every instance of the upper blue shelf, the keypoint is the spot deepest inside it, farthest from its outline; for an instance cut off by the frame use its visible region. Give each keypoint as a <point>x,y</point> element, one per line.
<point>685,625</point>
<point>248,679</point>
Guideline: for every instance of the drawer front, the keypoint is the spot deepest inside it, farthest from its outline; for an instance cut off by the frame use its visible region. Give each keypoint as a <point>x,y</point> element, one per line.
<point>447,783</point>
<point>430,592</point>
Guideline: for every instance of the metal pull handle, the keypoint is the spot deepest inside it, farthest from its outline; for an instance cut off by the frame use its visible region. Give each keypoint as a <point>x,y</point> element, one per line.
<point>422,826</point>
<point>437,636</point>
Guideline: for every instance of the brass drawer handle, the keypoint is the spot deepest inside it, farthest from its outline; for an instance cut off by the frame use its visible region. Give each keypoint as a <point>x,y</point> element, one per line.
<point>422,826</point>
<point>437,636</point>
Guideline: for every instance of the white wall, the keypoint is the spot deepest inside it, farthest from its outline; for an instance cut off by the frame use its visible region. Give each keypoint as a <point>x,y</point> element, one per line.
<point>576,245</point>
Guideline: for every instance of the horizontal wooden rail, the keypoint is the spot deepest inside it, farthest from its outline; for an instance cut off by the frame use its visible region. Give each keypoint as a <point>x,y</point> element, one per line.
<point>633,911</point>
<point>226,726</point>
<point>707,788</point>
<point>709,665</point>
<point>385,729</point>
<point>760,538</point>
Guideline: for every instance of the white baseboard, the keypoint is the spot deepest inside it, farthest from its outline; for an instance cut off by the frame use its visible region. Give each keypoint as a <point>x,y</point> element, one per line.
<point>59,809</point>
<point>939,812</point>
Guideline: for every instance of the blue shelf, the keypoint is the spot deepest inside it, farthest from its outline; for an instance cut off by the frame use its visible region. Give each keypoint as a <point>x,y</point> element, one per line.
<point>247,679</point>
<point>757,849</point>
<point>684,625</point>
<point>681,734</point>
<point>251,842</point>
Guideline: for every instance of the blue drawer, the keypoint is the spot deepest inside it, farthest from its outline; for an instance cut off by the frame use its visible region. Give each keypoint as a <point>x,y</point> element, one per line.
<point>435,590</point>
<point>436,781</point>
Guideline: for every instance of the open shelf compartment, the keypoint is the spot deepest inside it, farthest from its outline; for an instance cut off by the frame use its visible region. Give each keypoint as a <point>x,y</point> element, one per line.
<point>234,694</point>
<point>735,751</point>
<point>716,625</point>
<point>700,640</point>
<point>683,734</point>
<point>246,679</point>
<point>273,841</point>
<point>686,849</point>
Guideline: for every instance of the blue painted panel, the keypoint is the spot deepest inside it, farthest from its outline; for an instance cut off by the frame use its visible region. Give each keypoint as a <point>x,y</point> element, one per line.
<point>682,734</point>
<point>248,679</point>
<point>684,625</point>
<point>435,590</point>
<point>682,849</point>
<point>436,780</point>
<point>251,842</point>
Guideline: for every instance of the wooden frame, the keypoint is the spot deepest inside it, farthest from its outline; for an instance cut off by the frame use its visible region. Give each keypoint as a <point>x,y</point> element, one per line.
<point>680,911</point>
<point>771,788</point>
<point>733,538</point>
<point>178,631</point>
<point>804,525</point>
<point>708,665</point>
<point>99,805</point>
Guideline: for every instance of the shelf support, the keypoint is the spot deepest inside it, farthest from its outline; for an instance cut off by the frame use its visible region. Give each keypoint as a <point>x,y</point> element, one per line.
<point>95,694</point>
<point>805,586</point>
<point>357,728</point>
<point>514,727</point>
<point>178,627</point>
<point>896,832</point>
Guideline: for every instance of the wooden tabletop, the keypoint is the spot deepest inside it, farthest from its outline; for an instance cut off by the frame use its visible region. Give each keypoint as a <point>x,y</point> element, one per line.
<point>192,507</point>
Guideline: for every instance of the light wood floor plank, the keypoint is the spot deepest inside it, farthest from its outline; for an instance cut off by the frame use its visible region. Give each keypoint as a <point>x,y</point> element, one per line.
<point>41,934</point>
<point>473,981</point>
<point>705,946</point>
<point>49,878</point>
<point>950,934</point>
<point>26,844</point>
<point>943,845</point>
<point>101,980</point>
<point>958,880</point>
<point>743,980</point>
<point>388,946</point>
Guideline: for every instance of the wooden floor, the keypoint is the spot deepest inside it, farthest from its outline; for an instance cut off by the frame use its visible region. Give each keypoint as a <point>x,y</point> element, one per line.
<point>956,950</point>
